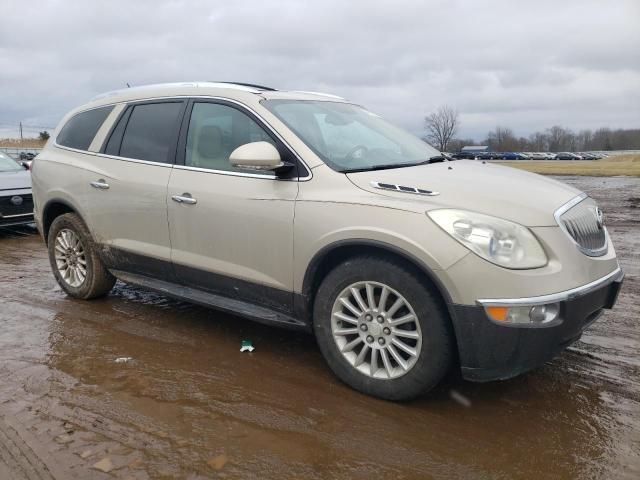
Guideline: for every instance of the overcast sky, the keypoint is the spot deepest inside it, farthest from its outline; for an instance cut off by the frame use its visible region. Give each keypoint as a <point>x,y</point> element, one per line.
<point>523,64</point>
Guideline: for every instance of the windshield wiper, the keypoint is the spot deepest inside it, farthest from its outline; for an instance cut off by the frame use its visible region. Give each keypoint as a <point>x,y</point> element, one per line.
<point>384,166</point>
<point>389,166</point>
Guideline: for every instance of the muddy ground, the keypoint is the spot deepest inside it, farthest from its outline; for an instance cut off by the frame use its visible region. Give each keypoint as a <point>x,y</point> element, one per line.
<point>190,405</point>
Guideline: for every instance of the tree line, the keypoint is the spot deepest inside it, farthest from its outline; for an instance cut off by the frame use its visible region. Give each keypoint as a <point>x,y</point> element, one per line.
<point>442,125</point>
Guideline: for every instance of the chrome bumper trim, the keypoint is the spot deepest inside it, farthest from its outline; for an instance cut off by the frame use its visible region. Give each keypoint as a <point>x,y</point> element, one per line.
<point>16,216</point>
<point>615,276</point>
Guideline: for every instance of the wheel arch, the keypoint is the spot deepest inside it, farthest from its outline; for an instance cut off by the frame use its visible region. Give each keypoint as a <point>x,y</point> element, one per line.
<point>53,209</point>
<point>335,253</point>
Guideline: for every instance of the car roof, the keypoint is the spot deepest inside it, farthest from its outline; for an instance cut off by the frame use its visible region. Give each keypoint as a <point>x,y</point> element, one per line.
<point>232,90</point>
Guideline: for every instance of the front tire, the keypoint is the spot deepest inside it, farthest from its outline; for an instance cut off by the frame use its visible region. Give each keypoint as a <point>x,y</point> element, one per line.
<point>75,261</point>
<point>382,329</point>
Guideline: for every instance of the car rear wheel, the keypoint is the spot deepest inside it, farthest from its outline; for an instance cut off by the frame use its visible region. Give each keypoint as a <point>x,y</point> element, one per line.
<point>75,261</point>
<point>382,329</point>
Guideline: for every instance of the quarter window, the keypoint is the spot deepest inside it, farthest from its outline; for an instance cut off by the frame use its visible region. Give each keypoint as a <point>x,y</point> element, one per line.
<point>79,131</point>
<point>216,130</point>
<point>150,132</point>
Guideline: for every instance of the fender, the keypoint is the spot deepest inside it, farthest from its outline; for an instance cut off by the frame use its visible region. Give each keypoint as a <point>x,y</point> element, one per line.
<point>303,301</point>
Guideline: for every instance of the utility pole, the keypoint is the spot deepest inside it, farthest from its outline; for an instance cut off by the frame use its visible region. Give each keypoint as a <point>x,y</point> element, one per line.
<point>21,139</point>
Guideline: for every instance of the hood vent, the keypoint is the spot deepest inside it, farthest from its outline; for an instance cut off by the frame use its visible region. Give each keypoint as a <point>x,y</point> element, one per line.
<point>402,188</point>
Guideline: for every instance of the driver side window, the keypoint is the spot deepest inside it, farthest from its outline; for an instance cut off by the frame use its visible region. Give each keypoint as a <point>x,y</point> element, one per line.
<point>216,130</point>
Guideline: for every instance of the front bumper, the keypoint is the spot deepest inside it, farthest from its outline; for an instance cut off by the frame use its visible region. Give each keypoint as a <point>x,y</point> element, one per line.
<point>490,351</point>
<point>16,207</point>
<point>12,220</point>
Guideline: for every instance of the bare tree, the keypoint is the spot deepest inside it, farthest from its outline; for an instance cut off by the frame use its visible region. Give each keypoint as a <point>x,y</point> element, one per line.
<point>441,126</point>
<point>502,139</point>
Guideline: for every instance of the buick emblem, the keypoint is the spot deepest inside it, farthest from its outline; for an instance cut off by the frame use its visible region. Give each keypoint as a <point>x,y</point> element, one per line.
<point>599,218</point>
<point>17,200</point>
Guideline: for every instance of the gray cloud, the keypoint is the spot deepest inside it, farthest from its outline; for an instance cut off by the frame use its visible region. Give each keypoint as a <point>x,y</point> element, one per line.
<point>525,65</point>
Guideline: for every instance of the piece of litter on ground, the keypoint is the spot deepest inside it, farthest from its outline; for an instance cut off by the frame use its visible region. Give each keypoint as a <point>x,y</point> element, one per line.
<point>123,359</point>
<point>246,346</point>
<point>218,463</point>
<point>105,465</point>
<point>460,398</point>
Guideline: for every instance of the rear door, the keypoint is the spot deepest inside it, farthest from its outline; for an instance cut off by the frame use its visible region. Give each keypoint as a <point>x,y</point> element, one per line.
<point>127,198</point>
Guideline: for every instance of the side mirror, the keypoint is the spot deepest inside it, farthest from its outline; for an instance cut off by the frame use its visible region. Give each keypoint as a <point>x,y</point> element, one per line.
<point>25,165</point>
<point>256,156</point>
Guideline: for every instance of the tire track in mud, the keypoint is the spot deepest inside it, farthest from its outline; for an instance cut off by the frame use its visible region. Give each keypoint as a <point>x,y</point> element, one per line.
<point>19,458</point>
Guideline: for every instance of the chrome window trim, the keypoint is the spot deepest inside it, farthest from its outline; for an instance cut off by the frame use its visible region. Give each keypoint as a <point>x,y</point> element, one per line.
<point>134,160</point>
<point>615,276</point>
<point>308,177</point>
<point>115,157</point>
<point>87,152</point>
<point>564,209</point>
<point>232,173</point>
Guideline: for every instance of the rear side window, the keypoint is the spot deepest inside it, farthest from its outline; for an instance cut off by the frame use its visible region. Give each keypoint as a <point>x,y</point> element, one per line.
<point>150,132</point>
<point>79,131</point>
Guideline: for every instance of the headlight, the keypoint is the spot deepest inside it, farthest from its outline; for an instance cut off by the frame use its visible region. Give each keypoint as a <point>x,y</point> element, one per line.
<point>499,241</point>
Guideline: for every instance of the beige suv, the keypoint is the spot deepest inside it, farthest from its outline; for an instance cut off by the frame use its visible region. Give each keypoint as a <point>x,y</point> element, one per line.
<point>303,210</point>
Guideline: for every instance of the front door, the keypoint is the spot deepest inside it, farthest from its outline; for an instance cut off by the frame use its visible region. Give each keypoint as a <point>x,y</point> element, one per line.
<point>231,230</point>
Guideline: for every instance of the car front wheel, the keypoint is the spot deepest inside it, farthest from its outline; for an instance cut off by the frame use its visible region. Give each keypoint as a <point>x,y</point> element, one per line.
<point>382,329</point>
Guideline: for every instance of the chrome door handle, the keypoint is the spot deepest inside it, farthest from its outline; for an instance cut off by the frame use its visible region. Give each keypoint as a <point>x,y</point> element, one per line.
<point>184,198</point>
<point>101,184</point>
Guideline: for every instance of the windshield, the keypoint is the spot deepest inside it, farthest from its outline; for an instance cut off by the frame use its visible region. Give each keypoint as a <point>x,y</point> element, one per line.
<point>349,138</point>
<point>7,164</point>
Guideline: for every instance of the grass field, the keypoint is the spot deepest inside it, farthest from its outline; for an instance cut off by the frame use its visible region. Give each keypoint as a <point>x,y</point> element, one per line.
<point>628,165</point>
<point>26,143</point>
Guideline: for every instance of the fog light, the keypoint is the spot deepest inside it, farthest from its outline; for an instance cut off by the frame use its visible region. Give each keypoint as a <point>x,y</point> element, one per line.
<point>544,313</point>
<point>532,315</point>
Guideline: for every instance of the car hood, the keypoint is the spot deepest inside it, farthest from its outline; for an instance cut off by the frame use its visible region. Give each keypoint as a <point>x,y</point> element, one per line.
<point>17,180</point>
<point>522,197</point>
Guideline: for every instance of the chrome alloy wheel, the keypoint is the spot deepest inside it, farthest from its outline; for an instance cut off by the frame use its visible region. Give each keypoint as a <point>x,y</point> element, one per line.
<point>376,330</point>
<point>70,258</point>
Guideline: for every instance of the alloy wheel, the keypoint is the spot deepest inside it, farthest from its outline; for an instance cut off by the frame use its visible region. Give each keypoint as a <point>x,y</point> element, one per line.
<point>70,258</point>
<point>376,330</point>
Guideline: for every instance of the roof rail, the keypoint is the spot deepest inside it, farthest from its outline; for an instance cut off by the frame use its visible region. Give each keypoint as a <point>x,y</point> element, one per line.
<point>251,85</point>
<point>320,94</point>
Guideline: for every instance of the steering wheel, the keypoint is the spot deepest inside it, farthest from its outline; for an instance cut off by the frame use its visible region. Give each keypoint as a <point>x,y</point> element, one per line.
<point>356,152</point>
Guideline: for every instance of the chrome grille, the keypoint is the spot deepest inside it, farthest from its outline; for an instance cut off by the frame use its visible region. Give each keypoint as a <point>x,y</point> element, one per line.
<point>581,219</point>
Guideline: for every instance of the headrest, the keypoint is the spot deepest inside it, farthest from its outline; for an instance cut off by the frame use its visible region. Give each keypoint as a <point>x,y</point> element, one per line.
<point>210,141</point>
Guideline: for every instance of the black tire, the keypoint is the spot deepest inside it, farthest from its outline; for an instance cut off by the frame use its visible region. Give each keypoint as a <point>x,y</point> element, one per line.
<point>436,354</point>
<point>98,281</point>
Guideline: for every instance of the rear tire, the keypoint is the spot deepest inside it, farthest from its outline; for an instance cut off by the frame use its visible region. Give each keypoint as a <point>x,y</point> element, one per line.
<point>416,337</point>
<point>74,259</point>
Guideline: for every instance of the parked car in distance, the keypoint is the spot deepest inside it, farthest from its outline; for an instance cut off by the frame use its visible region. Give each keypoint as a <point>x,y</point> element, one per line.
<point>306,211</point>
<point>567,156</point>
<point>489,156</point>
<point>537,156</point>
<point>16,204</point>
<point>465,156</point>
<point>513,156</point>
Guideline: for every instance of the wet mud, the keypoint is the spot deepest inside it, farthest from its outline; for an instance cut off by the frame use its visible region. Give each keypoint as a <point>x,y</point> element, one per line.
<point>139,386</point>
